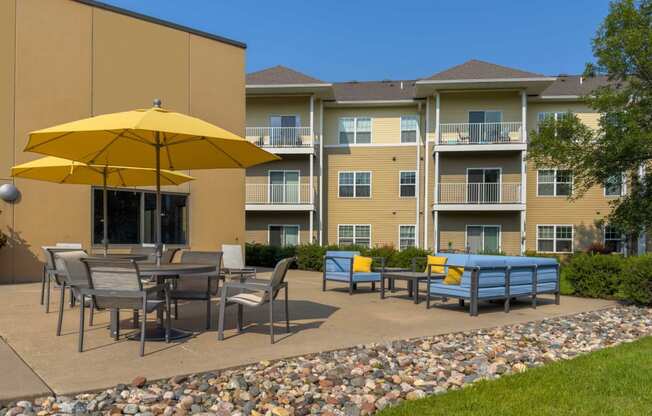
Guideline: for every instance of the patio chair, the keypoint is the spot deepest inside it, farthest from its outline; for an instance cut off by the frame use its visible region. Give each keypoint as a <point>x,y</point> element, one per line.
<point>73,275</point>
<point>50,270</point>
<point>166,256</point>
<point>188,290</point>
<point>116,284</point>
<point>265,291</point>
<point>338,267</point>
<point>234,263</point>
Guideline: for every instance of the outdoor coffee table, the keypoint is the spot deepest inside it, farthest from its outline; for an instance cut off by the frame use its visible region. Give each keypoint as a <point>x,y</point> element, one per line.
<point>161,273</point>
<point>413,279</point>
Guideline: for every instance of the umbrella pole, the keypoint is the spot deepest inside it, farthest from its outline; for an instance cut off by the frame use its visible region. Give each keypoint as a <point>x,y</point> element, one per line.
<point>105,213</point>
<point>158,201</point>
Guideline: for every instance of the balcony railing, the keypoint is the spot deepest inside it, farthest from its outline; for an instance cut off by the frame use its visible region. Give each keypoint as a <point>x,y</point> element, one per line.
<point>509,132</point>
<point>279,136</point>
<point>281,194</point>
<point>479,193</point>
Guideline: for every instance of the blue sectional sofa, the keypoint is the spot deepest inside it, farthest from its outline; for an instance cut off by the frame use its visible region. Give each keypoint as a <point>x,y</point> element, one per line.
<point>489,277</point>
<point>338,267</point>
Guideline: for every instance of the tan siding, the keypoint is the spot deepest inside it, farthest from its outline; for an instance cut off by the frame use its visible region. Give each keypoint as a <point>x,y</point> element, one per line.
<point>260,173</point>
<point>259,109</point>
<point>585,114</point>
<point>453,228</point>
<point>385,128</point>
<point>384,210</point>
<point>455,107</point>
<point>257,224</point>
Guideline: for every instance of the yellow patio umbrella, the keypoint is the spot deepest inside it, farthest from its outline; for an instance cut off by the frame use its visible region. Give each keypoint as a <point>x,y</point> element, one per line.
<point>149,138</point>
<point>58,170</point>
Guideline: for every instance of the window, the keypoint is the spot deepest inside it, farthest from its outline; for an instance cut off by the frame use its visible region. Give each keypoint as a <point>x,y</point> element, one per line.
<point>555,238</point>
<point>283,235</point>
<point>355,130</point>
<point>408,184</point>
<point>613,186</point>
<point>284,130</point>
<point>409,126</point>
<point>349,234</point>
<point>554,182</point>
<point>407,236</point>
<point>131,217</point>
<point>283,187</point>
<point>554,115</point>
<point>355,184</point>
<point>613,239</point>
<point>483,238</point>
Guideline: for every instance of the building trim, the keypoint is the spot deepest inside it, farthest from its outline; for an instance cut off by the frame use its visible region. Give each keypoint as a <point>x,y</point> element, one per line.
<point>470,81</point>
<point>370,145</point>
<point>161,22</point>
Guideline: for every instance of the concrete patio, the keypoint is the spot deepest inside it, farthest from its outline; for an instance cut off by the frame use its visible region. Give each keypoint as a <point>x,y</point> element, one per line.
<point>40,362</point>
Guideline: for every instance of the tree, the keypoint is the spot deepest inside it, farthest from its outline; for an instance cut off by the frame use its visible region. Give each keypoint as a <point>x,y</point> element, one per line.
<point>623,141</point>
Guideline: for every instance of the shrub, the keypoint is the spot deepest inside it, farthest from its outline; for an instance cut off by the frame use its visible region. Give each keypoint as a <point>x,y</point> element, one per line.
<point>594,275</point>
<point>3,239</point>
<point>597,248</point>
<point>263,255</point>
<point>311,256</point>
<point>636,280</point>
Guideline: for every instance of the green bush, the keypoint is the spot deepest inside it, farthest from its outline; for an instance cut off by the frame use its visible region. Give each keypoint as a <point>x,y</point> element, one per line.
<point>636,280</point>
<point>594,275</point>
<point>263,255</point>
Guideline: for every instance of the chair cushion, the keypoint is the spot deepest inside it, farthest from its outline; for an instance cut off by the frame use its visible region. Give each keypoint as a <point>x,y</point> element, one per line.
<point>436,264</point>
<point>340,264</point>
<point>357,277</point>
<point>454,275</point>
<point>362,264</point>
<point>248,299</point>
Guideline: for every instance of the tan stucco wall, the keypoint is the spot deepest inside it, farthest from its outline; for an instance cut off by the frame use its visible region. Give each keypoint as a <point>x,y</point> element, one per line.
<point>257,224</point>
<point>453,228</point>
<point>385,210</point>
<point>71,63</point>
<point>453,166</point>
<point>260,109</point>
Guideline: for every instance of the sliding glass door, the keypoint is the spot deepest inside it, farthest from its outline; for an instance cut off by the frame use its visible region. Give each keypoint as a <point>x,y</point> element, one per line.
<point>483,185</point>
<point>283,235</point>
<point>483,238</point>
<point>284,187</point>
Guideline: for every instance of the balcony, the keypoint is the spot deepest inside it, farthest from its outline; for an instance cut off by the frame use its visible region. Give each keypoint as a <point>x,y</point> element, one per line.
<point>479,197</point>
<point>481,136</point>
<point>281,197</point>
<point>287,140</point>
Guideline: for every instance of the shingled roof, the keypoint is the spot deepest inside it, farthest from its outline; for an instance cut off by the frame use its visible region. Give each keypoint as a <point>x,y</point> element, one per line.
<point>574,85</point>
<point>475,69</point>
<point>280,75</point>
<point>374,90</point>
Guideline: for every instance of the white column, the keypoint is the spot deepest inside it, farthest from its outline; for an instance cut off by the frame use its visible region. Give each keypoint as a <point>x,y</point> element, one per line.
<point>523,172</point>
<point>426,209</point>
<point>436,180</point>
<point>321,172</point>
<point>524,116</point>
<point>312,170</point>
<point>417,192</point>
<point>523,233</point>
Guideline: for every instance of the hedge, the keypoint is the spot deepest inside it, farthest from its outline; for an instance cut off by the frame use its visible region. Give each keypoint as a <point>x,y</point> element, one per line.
<point>636,280</point>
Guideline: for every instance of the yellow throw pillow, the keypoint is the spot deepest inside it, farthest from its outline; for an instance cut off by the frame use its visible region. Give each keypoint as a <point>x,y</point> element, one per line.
<point>454,276</point>
<point>361,264</point>
<point>436,264</point>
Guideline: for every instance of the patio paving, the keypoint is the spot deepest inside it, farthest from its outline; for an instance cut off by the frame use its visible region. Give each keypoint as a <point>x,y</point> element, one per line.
<point>320,321</point>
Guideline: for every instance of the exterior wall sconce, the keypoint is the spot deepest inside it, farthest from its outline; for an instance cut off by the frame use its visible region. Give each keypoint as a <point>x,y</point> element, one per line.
<point>9,192</point>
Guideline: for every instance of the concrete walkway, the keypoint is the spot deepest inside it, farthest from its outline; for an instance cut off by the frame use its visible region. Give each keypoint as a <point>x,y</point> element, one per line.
<point>320,321</point>
<point>18,380</point>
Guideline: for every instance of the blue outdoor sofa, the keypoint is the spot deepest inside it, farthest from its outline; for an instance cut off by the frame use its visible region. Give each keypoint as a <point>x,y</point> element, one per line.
<point>489,277</point>
<point>338,267</point>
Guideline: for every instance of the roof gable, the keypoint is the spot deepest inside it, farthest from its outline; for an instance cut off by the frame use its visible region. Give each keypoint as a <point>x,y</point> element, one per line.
<point>280,75</point>
<point>475,69</point>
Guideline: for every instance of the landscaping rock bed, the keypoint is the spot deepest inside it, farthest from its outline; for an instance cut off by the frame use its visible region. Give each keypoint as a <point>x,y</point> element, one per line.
<point>363,379</point>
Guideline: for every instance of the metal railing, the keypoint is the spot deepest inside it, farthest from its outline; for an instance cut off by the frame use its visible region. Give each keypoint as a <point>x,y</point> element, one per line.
<point>279,136</point>
<point>479,193</point>
<point>509,132</point>
<point>273,194</point>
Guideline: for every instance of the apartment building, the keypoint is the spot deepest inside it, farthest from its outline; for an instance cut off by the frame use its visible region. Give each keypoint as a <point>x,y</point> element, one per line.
<point>439,162</point>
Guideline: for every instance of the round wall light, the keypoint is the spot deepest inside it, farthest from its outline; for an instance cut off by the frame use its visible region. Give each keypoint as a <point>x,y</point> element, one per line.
<point>9,192</point>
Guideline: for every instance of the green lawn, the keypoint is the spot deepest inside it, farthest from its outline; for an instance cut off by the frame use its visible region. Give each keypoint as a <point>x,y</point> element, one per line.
<point>613,381</point>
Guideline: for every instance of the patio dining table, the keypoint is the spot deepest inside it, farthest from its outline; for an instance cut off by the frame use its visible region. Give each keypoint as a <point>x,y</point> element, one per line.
<point>161,273</point>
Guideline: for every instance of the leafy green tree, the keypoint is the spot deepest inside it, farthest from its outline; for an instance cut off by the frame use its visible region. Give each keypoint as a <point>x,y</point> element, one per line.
<point>623,141</point>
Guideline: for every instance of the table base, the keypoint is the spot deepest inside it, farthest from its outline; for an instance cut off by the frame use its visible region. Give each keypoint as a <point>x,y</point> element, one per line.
<point>157,333</point>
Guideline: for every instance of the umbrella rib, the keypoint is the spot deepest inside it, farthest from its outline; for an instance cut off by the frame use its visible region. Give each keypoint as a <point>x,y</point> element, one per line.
<point>119,172</point>
<point>102,150</point>
<point>31,148</point>
<point>223,152</point>
<point>167,151</point>
<point>137,138</point>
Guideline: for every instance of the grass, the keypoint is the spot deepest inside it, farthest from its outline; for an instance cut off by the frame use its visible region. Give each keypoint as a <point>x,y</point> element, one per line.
<point>613,381</point>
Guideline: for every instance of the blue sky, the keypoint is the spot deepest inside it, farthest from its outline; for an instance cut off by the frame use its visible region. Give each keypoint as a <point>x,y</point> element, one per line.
<point>340,40</point>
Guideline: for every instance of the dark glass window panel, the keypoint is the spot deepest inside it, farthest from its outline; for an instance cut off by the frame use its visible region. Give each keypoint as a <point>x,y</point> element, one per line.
<point>123,217</point>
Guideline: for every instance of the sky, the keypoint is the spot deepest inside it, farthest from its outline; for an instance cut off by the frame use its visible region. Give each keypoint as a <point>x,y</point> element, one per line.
<point>362,40</point>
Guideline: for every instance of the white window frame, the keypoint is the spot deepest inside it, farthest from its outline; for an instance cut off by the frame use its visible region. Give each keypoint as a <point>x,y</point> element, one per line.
<point>554,238</point>
<point>605,239</point>
<point>269,185</point>
<point>554,183</point>
<point>269,227</point>
<point>355,130</point>
<point>355,175</point>
<point>400,184</point>
<point>623,188</point>
<point>354,232</point>
<point>500,235</point>
<point>414,241</point>
<point>416,130</point>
